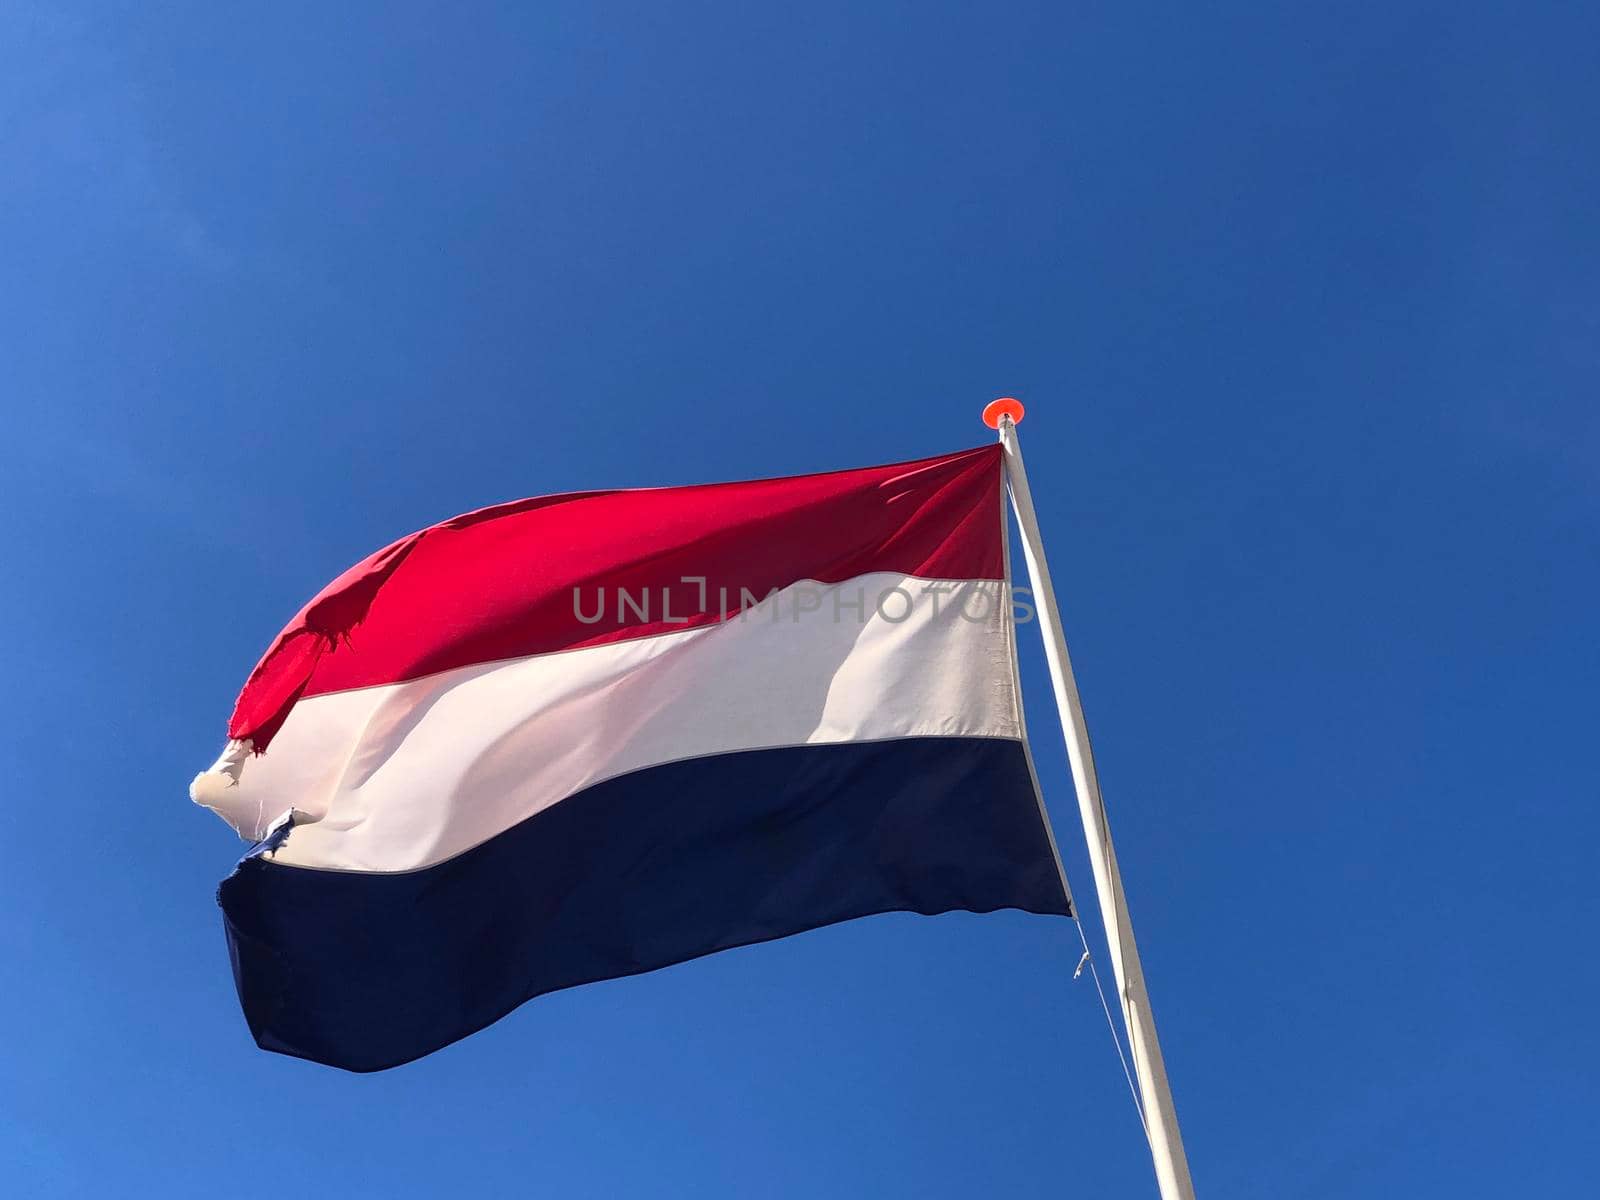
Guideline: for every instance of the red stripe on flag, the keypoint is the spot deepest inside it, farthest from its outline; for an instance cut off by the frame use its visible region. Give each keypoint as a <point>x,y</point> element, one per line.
<point>501,582</point>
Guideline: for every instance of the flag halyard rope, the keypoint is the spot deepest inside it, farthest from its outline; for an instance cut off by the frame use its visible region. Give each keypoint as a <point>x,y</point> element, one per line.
<point>1111,1024</point>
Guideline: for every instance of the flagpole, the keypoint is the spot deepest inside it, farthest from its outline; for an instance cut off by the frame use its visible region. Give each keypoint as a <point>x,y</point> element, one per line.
<point>1160,1116</point>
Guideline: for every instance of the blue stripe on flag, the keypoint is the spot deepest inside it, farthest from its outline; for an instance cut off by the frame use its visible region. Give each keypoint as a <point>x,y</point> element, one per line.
<point>368,971</point>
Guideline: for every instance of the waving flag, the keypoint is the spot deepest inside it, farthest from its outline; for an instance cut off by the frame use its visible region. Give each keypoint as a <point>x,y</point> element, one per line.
<point>583,736</point>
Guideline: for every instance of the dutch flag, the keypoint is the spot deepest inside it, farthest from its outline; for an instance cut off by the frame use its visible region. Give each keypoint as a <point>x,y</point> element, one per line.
<point>583,736</point>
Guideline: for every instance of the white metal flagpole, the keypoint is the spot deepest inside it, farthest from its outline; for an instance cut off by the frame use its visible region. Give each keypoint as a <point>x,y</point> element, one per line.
<point>1160,1117</point>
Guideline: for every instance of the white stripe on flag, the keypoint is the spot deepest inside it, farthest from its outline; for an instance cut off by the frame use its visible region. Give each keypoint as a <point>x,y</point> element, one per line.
<point>403,776</point>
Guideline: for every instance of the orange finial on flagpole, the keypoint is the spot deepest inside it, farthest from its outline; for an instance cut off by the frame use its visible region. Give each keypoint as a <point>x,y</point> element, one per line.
<point>1006,406</point>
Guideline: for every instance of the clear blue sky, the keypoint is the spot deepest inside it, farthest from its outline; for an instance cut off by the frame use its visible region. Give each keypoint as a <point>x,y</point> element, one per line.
<point>1303,301</point>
